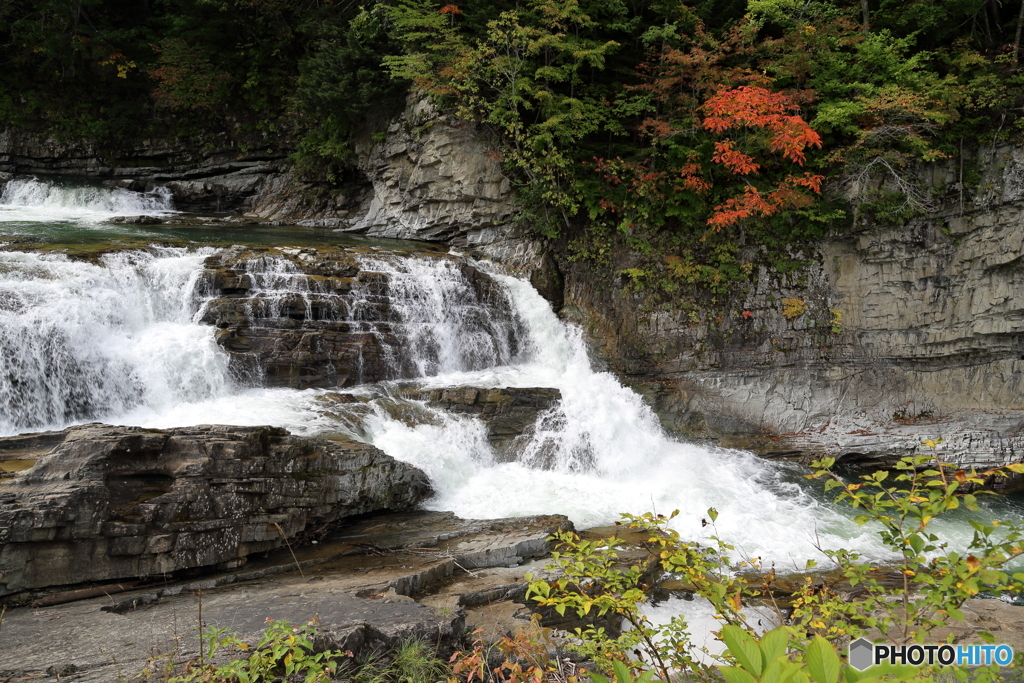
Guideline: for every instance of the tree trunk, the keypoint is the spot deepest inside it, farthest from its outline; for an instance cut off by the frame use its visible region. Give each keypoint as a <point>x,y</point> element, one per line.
<point>865,11</point>
<point>1020,23</point>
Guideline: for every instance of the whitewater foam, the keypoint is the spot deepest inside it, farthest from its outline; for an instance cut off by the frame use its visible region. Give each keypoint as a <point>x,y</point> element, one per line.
<point>31,200</point>
<point>83,341</point>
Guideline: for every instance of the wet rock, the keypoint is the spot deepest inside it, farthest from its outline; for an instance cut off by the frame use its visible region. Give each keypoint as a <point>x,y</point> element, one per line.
<point>548,281</point>
<point>305,318</point>
<point>115,502</point>
<point>509,413</point>
<point>217,192</point>
<point>137,220</point>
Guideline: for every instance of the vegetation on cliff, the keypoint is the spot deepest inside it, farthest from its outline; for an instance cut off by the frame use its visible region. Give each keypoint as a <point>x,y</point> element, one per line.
<point>685,131</point>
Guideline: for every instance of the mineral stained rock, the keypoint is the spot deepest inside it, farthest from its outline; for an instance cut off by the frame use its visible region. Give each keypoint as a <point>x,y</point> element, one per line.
<point>105,502</point>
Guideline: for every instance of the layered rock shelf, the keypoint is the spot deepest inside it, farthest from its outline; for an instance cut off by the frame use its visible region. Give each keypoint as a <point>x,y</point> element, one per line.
<point>324,320</point>
<point>369,585</point>
<point>96,502</point>
<point>421,175</point>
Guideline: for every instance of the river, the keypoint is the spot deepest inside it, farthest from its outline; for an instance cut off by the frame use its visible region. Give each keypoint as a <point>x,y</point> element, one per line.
<point>117,339</point>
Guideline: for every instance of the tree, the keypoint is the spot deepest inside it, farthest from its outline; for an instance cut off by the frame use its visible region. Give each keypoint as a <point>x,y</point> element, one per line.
<point>772,126</point>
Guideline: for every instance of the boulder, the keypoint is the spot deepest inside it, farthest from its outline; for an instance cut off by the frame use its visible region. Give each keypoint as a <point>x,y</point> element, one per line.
<point>137,220</point>
<point>509,413</point>
<point>105,502</point>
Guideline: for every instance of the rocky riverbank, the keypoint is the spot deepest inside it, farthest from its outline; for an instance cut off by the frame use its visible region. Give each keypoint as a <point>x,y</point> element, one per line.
<point>892,335</point>
<point>369,585</point>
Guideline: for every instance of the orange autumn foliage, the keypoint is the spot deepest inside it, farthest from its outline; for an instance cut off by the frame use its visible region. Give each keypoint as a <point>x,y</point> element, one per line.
<point>766,117</point>
<point>758,108</point>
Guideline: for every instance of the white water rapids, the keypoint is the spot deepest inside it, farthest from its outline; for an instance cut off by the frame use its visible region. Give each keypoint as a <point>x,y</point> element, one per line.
<point>119,341</point>
<point>33,200</point>
<point>116,342</point>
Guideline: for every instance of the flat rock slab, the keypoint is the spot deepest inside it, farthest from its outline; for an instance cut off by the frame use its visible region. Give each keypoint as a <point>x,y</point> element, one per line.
<point>86,642</point>
<point>359,582</point>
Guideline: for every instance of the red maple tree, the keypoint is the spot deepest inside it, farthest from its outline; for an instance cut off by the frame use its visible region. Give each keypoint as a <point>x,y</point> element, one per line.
<point>768,122</point>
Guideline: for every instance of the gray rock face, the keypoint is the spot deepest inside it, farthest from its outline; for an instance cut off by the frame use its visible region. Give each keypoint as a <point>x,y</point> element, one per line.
<point>386,578</point>
<point>432,177</point>
<point>106,502</point>
<point>509,413</point>
<point>911,332</point>
<point>201,179</point>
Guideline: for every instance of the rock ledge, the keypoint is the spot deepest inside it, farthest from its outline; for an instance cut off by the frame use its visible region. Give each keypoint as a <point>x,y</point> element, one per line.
<point>103,502</point>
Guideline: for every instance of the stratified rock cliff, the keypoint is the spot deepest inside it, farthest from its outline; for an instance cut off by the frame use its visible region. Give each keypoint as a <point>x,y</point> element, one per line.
<point>431,177</point>
<point>215,177</point>
<point>423,175</point>
<point>910,332</point>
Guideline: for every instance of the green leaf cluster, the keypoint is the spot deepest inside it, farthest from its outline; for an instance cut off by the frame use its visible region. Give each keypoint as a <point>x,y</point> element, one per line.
<point>901,505</point>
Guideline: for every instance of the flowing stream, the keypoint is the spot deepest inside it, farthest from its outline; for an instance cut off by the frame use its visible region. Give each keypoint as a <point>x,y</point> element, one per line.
<point>119,340</point>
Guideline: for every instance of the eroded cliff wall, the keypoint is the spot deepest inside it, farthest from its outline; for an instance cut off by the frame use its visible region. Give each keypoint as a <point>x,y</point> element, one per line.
<point>911,332</point>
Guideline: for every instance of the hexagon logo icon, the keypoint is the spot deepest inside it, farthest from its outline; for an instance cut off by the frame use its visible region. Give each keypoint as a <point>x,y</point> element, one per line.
<point>861,654</point>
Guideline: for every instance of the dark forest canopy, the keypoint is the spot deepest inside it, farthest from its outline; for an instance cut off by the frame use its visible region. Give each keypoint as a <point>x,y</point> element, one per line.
<point>638,116</point>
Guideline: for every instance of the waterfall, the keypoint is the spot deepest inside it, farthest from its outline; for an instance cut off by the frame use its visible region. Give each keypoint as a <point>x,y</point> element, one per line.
<point>83,341</point>
<point>600,452</point>
<point>120,341</point>
<point>443,323</point>
<point>34,200</point>
<point>275,283</point>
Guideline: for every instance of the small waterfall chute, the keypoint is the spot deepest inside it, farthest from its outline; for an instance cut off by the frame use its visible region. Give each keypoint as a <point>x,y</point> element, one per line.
<point>38,200</point>
<point>445,314</point>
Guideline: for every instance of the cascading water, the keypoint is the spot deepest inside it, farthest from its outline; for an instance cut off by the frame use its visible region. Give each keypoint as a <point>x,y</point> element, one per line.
<point>444,323</point>
<point>81,341</point>
<point>119,342</point>
<point>599,453</point>
<point>33,200</point>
